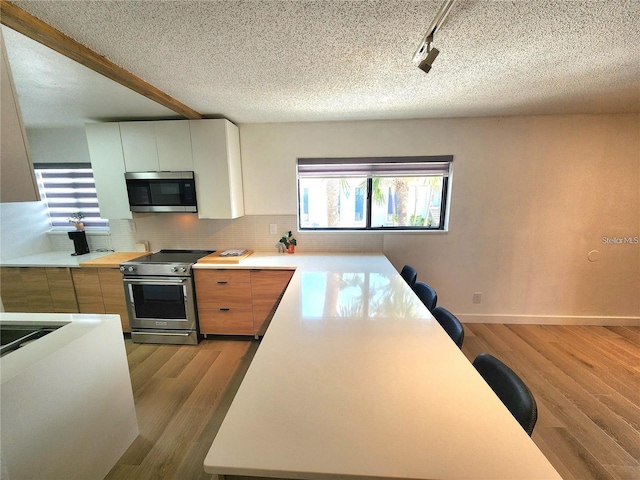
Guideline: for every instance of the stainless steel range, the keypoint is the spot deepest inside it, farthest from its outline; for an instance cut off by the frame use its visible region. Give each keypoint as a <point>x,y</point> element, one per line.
<point>161,297</point>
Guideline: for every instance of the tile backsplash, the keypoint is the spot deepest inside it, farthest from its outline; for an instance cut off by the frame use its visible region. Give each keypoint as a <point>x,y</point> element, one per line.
<point>186,231</point>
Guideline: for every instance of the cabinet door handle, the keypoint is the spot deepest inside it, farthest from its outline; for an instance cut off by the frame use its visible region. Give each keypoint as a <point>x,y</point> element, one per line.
<point>224,309</point>
<point>222,283</point>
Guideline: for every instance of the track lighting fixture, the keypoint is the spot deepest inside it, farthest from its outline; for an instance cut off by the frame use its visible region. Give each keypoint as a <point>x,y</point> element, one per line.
<point>426,53</point>
<point>432,53</point>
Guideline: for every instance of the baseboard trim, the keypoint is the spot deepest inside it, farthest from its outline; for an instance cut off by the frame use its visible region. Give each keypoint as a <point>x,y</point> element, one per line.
<point>547,319</point>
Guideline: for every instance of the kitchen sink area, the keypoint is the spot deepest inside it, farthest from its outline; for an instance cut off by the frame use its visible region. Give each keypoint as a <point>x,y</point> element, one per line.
<point>13,337</point>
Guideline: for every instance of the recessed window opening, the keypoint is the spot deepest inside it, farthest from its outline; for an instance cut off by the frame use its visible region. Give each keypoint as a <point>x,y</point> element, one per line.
<point>69,188</point>
<point>373,193</point>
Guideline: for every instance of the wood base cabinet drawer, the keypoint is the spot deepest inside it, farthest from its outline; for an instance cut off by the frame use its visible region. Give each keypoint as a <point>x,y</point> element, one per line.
<point>232,321</point>
<point>213,277</point>
<point>227,295</point>
<point>238,302</point>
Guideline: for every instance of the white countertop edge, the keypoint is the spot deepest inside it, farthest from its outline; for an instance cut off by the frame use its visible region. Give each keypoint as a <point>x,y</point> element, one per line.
<point>72,327</point>
<point>53,259</point>
<point>284,261</point>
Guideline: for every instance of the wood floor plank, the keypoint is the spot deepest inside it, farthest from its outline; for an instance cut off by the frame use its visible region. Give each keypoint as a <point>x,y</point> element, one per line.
<point>609,421</point>
<point>576,462</point>
<point>179,362</point>
<point>488,334</point>
<point>624,473</point>
<point>143,371</point>
<point>621,379</point>
<point>631,334</point>
<point>216,379</point>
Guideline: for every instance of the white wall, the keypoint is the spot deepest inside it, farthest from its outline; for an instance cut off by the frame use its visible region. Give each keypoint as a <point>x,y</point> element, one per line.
<point>23,227</point>
<point>531,197</point>
<point>58,145</point>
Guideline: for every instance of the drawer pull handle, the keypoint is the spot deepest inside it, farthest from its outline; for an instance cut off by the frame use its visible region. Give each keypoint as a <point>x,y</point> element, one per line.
<point>224,309</point>
<point>222,283</point>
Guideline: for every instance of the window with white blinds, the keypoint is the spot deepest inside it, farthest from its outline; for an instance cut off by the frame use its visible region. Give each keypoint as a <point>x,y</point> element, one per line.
<point>69,188</point>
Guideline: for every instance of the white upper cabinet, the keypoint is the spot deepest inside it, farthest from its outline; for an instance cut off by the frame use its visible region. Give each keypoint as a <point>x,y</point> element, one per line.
<point>173,139</point>
<point>156,146</point>
<point>107,162</point>
<point>209,148</point>
<point>18,183</point>
<point>139,146</point>
<point>218,169</point>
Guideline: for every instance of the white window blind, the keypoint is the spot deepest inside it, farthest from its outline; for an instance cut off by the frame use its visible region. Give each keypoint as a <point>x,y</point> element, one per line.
<point>378,166</point>
<point>68,188</point>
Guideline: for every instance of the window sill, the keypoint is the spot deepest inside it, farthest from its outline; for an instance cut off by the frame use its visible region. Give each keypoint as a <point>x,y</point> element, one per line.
<point>91,231</point>
<point>371,231</point>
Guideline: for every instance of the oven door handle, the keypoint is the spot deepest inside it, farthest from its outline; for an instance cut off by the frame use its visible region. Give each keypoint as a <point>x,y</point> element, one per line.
<point>163,334</point>
<point>154,281</point>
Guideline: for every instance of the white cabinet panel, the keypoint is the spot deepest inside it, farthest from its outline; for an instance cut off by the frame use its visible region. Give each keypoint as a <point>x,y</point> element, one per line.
<point>107,161</point>
<point>157,146</point>
<point>139,146</point>
<point>218,170</point>
<point>18,180</point>
<point>173,140</point>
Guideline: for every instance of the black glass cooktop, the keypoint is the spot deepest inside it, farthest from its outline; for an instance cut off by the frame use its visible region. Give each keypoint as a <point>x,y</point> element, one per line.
<point>174,256</point>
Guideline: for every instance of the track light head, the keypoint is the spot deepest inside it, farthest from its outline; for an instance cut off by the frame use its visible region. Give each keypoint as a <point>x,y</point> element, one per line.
<point>425,65</point>
<point>425,45</point>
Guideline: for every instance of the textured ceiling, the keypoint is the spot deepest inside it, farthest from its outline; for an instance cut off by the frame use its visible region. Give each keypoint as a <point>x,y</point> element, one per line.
<point>292,60</point>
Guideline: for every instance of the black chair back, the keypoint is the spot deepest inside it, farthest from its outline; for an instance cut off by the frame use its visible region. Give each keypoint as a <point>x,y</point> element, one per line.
<point>409,274</point>
<point>510,388</point>
<point>450,323</point>
<point>427,294</point>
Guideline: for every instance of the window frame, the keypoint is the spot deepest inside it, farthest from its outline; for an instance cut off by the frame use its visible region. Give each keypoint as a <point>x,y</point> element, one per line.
<point>385,164</point>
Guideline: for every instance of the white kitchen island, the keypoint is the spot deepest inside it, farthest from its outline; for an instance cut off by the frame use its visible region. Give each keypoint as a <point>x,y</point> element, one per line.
<point>66,402</point>
<point>354,378</point>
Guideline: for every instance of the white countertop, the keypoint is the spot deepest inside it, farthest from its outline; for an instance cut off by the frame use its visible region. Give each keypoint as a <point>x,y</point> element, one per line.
<point>354,378</point>
<point>52,259</point>
<point>67,408</point>
<point>73,326</point>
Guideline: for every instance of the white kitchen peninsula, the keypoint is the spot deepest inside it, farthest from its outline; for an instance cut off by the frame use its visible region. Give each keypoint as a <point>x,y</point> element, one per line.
<point>355,379</point>
<point>67,407</point>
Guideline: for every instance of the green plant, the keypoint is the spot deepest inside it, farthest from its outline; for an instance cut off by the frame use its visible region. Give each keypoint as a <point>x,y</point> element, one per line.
<point>287,239</point>
<point>76,217</point>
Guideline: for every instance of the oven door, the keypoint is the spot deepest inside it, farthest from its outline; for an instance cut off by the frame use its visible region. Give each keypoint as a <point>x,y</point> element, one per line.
<point>161,303</point>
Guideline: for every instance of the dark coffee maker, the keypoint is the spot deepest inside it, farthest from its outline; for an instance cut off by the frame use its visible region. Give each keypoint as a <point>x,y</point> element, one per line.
<point>79,242</point>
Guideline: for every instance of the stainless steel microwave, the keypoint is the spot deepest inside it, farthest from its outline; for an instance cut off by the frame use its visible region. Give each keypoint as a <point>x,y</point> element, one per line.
<point>161,191</point>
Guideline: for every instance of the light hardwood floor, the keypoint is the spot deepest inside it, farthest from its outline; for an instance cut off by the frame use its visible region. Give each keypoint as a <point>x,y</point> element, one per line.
<point>181,394</point>
<point>586,381</point>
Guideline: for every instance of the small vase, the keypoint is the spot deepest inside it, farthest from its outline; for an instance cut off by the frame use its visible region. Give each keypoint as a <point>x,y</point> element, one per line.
<point>79,226</point>
<point>291,249</point>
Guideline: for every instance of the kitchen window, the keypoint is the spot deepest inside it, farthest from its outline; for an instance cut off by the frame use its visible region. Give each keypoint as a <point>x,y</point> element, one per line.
<point>374,193</point>
<point>68,188</point>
